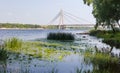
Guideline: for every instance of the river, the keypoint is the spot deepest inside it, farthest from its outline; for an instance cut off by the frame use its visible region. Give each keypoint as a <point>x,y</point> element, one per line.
<point>69,63</point>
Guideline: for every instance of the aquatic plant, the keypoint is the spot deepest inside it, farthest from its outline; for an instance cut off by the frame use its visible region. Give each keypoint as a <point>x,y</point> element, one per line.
<point>78,70</point>
<point>60,36</point>
<point>3,54</point>
<point>54,71</point>
<point>81,70</point>
<point>40,50</point>
<point>102,62</point>
<point>100,57</point>
<point>13,44</point>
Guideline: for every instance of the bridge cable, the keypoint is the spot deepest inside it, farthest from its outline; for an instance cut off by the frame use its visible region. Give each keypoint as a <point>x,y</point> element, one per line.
<point>72,18</point>
<point>55,18</point>
<point>77,17</point>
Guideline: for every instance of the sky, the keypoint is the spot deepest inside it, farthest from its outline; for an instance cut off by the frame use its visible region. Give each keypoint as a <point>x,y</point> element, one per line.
<point>42,11</point>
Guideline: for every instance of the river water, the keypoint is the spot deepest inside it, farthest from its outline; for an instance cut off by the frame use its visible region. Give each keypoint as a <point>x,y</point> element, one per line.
<point>69,63</point>
<point>31,34</point>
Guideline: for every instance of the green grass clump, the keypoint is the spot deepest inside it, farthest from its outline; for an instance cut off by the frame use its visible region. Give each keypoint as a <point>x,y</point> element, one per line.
<point>3,54</point>
<point>60,36</point>
<point>13,44</point>
<point>102,62</point>
<point>100,57</point>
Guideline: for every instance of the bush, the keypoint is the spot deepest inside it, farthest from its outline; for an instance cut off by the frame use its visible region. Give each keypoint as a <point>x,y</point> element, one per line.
<point>97,32</point>
<point>60,36</point>
<point>112,42</point>
<point>110,38</point>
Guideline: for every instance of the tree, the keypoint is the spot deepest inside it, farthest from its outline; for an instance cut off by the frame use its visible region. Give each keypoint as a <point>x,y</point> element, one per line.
<point>106,12</point>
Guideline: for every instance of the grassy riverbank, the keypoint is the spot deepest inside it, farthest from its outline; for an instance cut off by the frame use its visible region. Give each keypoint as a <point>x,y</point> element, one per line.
<point>113,39</point>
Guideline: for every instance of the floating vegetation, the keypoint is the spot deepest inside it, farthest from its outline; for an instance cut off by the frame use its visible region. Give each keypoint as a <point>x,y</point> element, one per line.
<point>41,50</point>
<point>60,36</point>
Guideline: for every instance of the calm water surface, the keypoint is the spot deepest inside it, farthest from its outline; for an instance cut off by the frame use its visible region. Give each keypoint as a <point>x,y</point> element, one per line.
<point>30,34</point>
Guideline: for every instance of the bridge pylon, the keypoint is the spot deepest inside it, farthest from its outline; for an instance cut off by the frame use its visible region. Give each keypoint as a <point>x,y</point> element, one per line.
<point>61,20</point>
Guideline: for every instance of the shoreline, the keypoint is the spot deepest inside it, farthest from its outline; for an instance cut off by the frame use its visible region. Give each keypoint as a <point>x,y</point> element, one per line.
<point>108,37</point>
<point>19,28</point>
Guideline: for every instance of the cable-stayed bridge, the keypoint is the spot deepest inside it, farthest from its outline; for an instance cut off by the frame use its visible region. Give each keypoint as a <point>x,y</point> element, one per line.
<point>72,21</point>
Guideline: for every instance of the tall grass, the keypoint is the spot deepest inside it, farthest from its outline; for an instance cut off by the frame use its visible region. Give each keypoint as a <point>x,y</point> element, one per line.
<point>13,44</point>
<point>3,54</point>
<point>100,57</point>
<point>60,36</point>
<point>102,62</point>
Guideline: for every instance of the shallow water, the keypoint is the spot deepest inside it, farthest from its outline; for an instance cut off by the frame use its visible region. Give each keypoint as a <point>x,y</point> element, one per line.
<point>70,63</point>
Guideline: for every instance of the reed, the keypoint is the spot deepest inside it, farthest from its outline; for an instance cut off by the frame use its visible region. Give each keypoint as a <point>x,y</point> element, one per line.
<point>13,44</point>
<point>102,62</point>
<point>60,36</point>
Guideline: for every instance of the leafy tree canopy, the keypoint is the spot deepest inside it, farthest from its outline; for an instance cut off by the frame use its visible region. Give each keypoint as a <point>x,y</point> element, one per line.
<point>106,12</point>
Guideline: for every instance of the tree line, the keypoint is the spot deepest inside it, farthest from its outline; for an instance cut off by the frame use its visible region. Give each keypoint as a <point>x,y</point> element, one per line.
<point>16,25</point>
